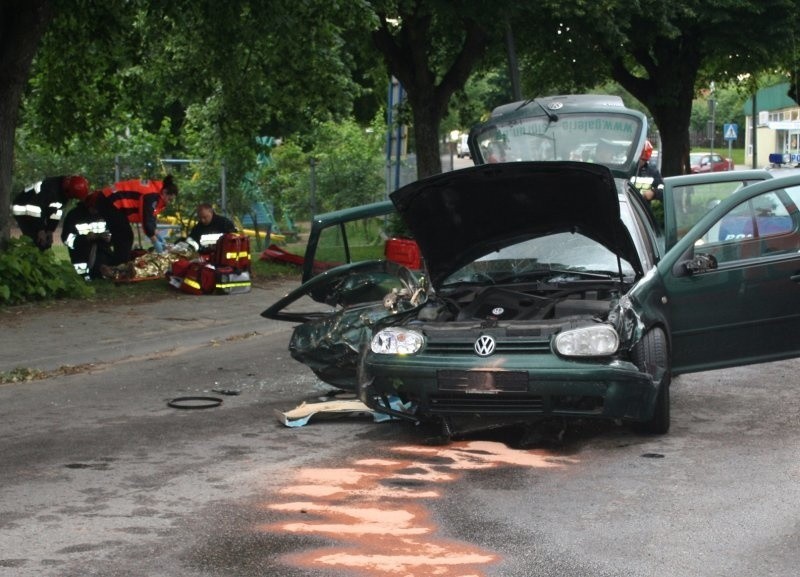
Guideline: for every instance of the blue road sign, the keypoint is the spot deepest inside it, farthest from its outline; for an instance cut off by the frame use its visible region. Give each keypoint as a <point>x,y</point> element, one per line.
<point>731,131</point>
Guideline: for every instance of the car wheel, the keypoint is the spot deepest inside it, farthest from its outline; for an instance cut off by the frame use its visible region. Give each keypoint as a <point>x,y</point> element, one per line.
<point>652,356</point>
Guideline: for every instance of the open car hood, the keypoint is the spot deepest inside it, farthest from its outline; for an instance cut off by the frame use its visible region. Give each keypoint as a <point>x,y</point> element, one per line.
<point>462,215</point>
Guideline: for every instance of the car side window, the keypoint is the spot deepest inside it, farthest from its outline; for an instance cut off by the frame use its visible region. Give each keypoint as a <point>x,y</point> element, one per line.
<point>351,241</point>
<point>692,202</point>
<point>763,226</point>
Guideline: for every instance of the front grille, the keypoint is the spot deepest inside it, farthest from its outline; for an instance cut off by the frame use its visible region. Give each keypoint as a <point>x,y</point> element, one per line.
<point>504,347</point>
<point>486,404</point>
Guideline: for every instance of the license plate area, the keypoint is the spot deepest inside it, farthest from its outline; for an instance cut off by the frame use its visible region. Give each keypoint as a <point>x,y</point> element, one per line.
<point>482,382</point>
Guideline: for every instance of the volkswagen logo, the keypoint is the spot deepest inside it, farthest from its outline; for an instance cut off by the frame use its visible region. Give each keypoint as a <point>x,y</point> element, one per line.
<point>555,105</point>
<point>484,346</point>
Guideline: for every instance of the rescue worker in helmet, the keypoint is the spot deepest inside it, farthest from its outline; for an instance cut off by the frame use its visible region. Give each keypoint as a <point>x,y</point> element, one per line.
<point>134,201</point>
<point>38,208</point>
<point>86,237</point>
<point>648,179</point>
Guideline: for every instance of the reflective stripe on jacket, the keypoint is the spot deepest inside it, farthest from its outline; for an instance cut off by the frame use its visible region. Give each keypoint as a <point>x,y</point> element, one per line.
<point>84,228</point>
<point>43,200</point>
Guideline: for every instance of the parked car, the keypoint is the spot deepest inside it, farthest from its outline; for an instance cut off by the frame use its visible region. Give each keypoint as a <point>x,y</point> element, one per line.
<point>562,296</point>
<point>709,162</point>
<point>462,147</point>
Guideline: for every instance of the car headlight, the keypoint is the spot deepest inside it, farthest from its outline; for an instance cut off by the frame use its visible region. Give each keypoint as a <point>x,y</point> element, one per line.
<point>594,341</point>
<point>396,341</point>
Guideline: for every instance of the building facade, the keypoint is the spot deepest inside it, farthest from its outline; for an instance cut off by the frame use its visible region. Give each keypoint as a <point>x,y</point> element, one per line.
<point>777,126</point>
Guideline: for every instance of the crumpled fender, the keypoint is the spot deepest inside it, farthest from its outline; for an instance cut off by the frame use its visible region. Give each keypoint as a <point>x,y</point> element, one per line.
<point>626,321</point>
<point>331,346</point>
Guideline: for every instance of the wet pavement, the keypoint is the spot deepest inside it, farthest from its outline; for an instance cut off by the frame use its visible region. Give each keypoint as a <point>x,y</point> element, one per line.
<point>100,476</point>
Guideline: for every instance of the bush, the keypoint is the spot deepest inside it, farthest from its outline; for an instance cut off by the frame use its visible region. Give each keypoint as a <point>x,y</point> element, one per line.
<point>28,274</point>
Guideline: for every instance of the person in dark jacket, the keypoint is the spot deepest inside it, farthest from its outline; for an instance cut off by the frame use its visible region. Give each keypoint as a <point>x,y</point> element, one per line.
<point>134,201</point>
<point>86,237</point>
<point>38,208</point>
<point>210,226</point>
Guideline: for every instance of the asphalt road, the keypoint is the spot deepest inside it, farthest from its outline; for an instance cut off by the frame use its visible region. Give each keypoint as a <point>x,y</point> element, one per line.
<point>98,476</point>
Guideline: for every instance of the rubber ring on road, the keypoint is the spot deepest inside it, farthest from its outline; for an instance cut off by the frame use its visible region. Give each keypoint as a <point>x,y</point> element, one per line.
<point>195,402</point>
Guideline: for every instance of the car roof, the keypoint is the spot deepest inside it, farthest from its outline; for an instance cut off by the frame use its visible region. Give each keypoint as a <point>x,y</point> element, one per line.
<point>566,102</point>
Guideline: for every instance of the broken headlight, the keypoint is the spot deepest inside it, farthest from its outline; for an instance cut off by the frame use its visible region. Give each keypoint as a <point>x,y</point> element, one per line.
<point>594,341</point>
<point>396,341</point>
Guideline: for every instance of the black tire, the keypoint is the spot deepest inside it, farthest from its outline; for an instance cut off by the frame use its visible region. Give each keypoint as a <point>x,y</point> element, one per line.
<point>651,355</point>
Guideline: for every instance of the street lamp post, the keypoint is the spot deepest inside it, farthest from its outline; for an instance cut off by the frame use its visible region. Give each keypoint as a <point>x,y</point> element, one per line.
<point>712,108</point>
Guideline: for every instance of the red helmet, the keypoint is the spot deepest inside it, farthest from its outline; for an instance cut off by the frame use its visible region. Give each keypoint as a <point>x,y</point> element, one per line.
<point>76,187</point>
<point>647,150</point>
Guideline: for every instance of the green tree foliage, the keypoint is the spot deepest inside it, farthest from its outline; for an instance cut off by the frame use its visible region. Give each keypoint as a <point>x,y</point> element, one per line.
<point>486,89</point>
<point>28,274</point>
<point>349,165</point>
<point>729,99</point>
<point>660,52</point>
<point>348,170</point>
<point>286,181</point>
<point>145,80</point>
<point>133,152</point>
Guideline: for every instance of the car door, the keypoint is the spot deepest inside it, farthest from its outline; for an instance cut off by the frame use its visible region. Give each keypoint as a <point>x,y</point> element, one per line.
<point>732,283</point>
<point>351,257</point>
<point>688,198</point>
<point>345,236</point>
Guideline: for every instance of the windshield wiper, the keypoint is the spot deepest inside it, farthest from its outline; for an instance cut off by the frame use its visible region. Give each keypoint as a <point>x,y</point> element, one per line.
<point>552,116</point>
<point>554,273</point>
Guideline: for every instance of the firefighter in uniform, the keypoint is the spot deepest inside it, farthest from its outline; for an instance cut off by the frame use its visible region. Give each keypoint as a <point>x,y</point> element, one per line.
<point>134,201</point>
<point>648,179</point>
<point>86,237</point>
<point>210,226</point>
<point>38,208</point>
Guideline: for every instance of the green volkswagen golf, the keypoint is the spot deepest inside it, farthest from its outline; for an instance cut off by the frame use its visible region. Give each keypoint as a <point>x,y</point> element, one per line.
<point>540,283</point>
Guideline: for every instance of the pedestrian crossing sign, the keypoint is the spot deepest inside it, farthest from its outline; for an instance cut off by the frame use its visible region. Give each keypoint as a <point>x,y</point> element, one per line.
<point>731,131</point>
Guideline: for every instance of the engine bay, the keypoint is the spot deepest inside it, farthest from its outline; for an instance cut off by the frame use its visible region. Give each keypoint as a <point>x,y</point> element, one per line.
<point>521,303</point>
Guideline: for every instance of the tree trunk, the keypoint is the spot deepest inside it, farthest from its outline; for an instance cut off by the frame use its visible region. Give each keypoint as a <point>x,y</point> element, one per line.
<point>667,91</point>
<point>410,55</point>
<point>673,124</point>
<point>22,24</point>
<point>427,120</point>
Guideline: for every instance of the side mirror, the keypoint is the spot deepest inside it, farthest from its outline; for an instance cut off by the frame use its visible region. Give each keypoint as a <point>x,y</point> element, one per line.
<point>700,263</point>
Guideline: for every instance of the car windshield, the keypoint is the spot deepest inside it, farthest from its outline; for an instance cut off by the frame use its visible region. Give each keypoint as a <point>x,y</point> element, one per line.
<point>567,256</point>
<point>605,138</point>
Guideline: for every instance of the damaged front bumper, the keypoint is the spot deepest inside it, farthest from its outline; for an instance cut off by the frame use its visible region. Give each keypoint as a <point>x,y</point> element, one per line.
<point>511,387</point>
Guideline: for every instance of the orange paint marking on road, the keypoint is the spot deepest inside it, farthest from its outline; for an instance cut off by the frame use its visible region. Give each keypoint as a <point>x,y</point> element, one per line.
<point>374,508</point>
<point>370,493</point>
<point>354,520</point>
<point>404,557</point>
<point>343,476</point>
<point>485,455</point>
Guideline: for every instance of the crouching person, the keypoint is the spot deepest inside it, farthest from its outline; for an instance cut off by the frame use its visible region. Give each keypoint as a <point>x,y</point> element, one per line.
<point>86,236</point>
<point>209,228</point>
<point>38,208</point>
